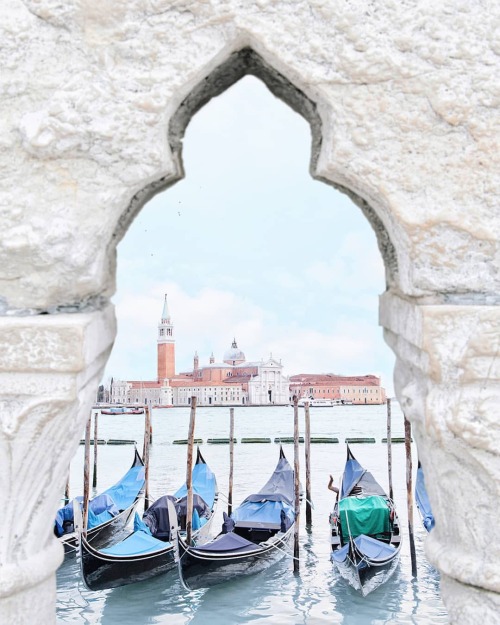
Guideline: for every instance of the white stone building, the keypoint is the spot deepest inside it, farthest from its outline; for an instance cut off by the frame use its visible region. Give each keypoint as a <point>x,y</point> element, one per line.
<point>141,392</point>
<point>269,385</point>
<point>234,381</point>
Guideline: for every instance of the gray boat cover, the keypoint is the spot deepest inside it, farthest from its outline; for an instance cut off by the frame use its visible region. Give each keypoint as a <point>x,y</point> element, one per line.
<point>280,486</point>
<point>157,520</point>
<point>199,505</point>
<point>356,476</point>
<point>228,542</point>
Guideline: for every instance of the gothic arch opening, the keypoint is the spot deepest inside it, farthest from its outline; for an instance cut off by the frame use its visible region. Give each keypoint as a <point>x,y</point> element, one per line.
<point>247,62</point>
<point>239,64</point>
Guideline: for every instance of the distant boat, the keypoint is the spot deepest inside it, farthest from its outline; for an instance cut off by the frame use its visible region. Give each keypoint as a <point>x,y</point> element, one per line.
<point>108,512</point>
<point>122,410</point>
<point>366,539</point>
<point>423,503</point>
<point>255,536</point>
<point>151,549</point>
<point>319,402</point>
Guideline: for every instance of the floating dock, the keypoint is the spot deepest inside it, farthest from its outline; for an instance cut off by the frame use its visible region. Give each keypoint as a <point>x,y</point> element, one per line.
<point>360,440</point>
<point>183,441</point>
<point>324,439</point>
<point>121,441</point>
<point>220,441</point>
<point>287,439</point>
<point>396,439</point>
<point>255,440</point>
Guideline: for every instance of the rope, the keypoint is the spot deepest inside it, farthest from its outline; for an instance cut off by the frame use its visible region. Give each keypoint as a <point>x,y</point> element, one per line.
<point>256,554</point>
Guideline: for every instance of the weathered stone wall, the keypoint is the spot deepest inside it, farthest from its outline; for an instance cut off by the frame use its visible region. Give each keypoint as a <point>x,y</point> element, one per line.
<point>402,101</point>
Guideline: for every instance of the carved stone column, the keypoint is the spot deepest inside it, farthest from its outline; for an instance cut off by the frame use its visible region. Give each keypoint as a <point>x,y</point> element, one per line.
<point>49,372</point>
<point>447,380</point>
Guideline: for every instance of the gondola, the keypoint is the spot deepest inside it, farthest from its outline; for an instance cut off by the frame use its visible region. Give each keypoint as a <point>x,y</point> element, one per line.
<point>254,536</point>
<point>365,530</point>
<point>423,503</point>
<point>151,549</point>
<point>108,513</point>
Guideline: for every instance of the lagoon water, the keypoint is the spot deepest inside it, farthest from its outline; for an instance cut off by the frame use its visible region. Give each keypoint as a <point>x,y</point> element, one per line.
<point>277,596</point>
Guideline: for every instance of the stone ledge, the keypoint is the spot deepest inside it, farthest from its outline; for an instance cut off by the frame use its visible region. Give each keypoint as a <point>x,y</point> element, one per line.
<point>461,342</point>
<point>63,343</point>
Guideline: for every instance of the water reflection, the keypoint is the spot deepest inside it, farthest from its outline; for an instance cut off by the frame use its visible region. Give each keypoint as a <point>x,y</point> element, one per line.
<point>243,600</point>
<point>384,602</point>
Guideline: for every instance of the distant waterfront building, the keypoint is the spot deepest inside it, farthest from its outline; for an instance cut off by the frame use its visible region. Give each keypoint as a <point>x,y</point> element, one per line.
<point>363,389</point>
<point>141,392</point>
<point>234,381</point>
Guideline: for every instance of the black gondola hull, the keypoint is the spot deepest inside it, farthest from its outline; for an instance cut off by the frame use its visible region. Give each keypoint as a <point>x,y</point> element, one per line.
<point>365,575</point>
<point>198,569</point>
<point>101,534</point>
<point>101,571</point>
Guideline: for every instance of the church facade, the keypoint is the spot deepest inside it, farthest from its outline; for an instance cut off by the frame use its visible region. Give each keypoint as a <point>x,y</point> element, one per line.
<point>233,381</point>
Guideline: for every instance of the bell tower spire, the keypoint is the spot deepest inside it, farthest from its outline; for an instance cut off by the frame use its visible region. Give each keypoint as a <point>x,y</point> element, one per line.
<point>166,345</point>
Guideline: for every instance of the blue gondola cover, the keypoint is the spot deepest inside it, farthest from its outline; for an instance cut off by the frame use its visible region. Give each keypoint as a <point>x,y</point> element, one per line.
<point>108,504</point>
<point>423,503</point>
<point>375,550</point>
<point>136,543</point>
<point>204,484</point>
<point>263,511</point>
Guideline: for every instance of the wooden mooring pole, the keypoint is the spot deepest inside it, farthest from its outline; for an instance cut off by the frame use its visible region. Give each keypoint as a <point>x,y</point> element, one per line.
<point>94,476</point>
<point>231,462</point>
<point>150,423</point>
<point>66,491</point>
<point>409,497</point>
<point>389,448</point>
<point>86,476</point>
<point>307,437</point>
<point>189,472</point>
<point>145,456</point>
<point>297,484</point>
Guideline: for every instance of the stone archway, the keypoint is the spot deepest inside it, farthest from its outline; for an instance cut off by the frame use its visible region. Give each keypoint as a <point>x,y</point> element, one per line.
<point>397,129</point>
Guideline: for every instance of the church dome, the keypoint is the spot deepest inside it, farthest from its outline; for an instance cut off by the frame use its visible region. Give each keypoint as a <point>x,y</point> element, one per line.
<point>234,356</point>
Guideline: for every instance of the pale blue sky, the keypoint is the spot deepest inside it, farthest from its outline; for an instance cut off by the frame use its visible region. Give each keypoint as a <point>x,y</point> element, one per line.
<point>248,245</point>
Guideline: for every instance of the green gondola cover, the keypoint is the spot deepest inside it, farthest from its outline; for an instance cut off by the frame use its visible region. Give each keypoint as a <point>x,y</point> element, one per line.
<point>367,515</point>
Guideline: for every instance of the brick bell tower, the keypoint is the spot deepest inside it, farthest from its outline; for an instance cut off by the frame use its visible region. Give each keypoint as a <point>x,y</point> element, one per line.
<point>166,345</point>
